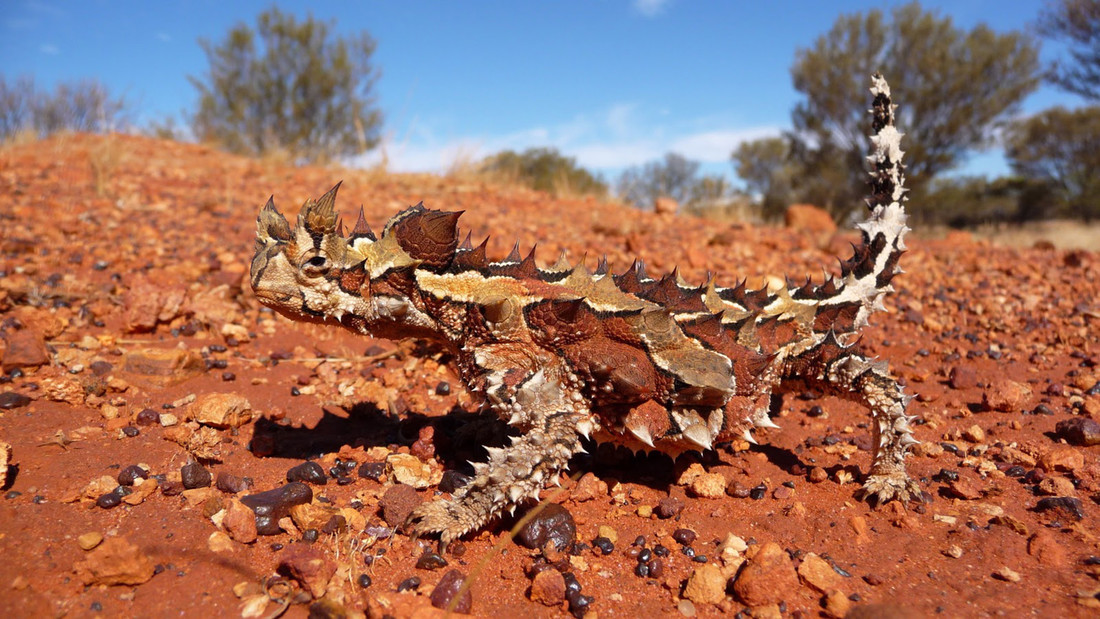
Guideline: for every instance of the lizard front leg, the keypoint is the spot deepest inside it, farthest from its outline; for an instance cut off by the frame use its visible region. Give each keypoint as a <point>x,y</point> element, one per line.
<point>550,415</point>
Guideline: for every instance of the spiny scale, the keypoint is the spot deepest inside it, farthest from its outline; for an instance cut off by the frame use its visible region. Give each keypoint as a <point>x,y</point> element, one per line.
<point>563,352</point>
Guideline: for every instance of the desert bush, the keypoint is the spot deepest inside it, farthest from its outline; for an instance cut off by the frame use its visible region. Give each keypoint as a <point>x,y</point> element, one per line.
<point>83,105</point>
<point>543,169</point>
<point>289,85</point>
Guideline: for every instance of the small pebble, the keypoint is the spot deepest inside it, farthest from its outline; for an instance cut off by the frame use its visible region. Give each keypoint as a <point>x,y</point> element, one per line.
<point>699,558</point>
<point>660,551</point>
<point>639,541</point>
<point>310,535</point>
<point>553,524</point>
<point>363,581</point>
<point>194,475</point>
<point>604,545</point>
<point>1079,431</point>
<point>578,603</point>
<point>430,561</point>
<point>375,470</point>
<point>669,507</point>
<point>127,475</point>
<point>274,504</point>
<point>443,388</point>
<point>684,537</point>
<point>147,417</point>
<point>1069,506</point>
<point>131,431</point>
<point>107,500</point>
<point>232,484</point>
<point>452,480</point>
<point>409,584</point>
<point>656,568</point>
<point>443,596</point>
<point>758,492</point>
<point>308,472</point>
<point>645,555</point>
<point>10,400</point>
<point>641,570</point>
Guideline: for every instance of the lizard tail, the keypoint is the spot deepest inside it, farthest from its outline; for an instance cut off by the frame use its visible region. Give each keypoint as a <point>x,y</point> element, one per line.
<point>844,305</point>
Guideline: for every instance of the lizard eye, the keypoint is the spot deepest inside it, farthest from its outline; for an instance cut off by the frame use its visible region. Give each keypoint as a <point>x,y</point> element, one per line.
<point>317,265</point>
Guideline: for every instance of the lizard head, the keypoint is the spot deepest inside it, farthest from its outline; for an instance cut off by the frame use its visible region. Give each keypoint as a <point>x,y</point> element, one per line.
<point>316,271</point>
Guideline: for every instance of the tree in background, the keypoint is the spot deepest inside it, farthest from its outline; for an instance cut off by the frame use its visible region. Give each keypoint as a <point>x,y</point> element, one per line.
<point>1061,148</point>
<point>769,172</point>
<point>544,169</point>
<point>83,105</point>
<point>1077,23</point>
<point>955,87</point>
<point>674,177</point>
<point>289,86</point>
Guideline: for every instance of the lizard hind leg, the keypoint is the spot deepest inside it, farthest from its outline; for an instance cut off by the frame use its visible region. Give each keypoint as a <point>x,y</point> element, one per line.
<point>551,425</point>
<point>891,433</point>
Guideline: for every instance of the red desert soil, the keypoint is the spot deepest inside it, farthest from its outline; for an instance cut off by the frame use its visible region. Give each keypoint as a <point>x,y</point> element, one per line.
<point>130,336</point>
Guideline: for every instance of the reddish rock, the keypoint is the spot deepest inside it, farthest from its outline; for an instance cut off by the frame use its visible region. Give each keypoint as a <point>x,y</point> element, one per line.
<point>818,573</point>
<point>443,596</point>
<point>397,503</point>
<point>548,588</point>
<point>1062,458</point>
<point>962,377</point>
<point>706,585</point>
<point>1047,549</point>
<point>25,349</point>
<point>162,367</point>
<point>589,487</point>
<point>114,562</point>
<point>222,410</point>
<point>1006,396</point>
<point>309,566</point>
<point>240,522</point>
<point>767,577</point>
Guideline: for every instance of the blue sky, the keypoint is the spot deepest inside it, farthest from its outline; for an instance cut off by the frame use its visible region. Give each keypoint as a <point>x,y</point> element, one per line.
<point>614,83</point>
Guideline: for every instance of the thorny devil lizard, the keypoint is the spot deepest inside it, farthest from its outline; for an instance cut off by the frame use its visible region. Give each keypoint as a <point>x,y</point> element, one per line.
<point>563,353</point>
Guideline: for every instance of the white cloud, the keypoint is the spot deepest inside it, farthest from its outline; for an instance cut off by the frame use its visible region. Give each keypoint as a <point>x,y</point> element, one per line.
<point>608,140</point>
<point>49,49</point>
<point>651,8</point>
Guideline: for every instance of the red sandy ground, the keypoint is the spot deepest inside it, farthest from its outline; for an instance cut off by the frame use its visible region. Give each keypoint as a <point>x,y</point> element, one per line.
<point>114,246</point>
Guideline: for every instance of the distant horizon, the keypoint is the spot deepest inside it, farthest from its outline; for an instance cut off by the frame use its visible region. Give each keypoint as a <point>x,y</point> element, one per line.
<point>613,84</point>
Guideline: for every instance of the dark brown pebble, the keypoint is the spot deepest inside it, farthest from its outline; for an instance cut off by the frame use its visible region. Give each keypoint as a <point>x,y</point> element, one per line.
<point>443,388</point>
<point>131,431</point>
<point>229,377</point>
<point>452,480</point>
<point>641,570</point>
<point>684,537</point>
<point>656,568</point>
<point>100,368</point>
<point>397,503</point>
<point>274,504</point>
<point>310,535</point>
<point>10,400</point>
<point>375,470</point>
<point>171,488</point>
<point>335,524</point>
<point>758,492</point>
<point>409,584</point>
<point>1079,431</point>
<point>553,524</point>
<point>107,500</point>
<point>604,545</point>
<point>363,581</point>
<point>232,484</point>
<point>147,417</point>
<point>1064,505</point>
<point>456,549</point>
<point>127,475</point>
<point>445,591</point>
<point>309,472</point>
<point>194,475</point>
<point>430,561</point>
<point>578,604</point>
<point>669,507</point>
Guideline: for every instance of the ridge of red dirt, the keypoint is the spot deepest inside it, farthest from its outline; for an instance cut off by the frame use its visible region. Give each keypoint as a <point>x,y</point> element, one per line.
<point>125,306</point>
